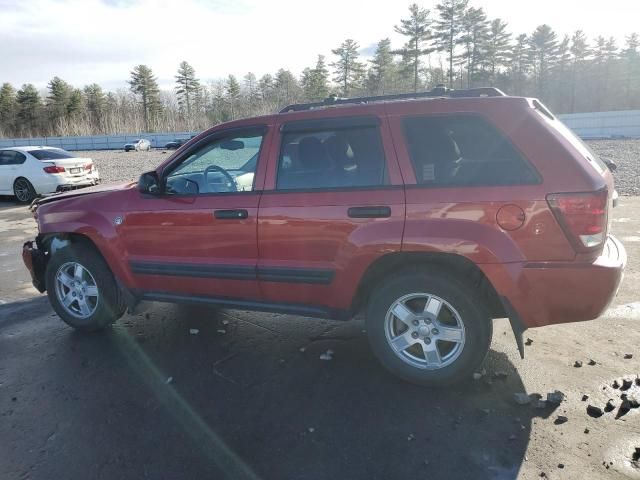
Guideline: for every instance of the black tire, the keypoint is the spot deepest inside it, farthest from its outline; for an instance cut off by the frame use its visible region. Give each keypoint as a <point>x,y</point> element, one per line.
<point>110,305</point>
<point>472,310</point>
<point>23,190</point>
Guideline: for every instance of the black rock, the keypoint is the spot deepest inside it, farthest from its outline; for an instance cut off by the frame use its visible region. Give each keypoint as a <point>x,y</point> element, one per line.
<point>625,406</point>
<point>595,412</point>
<point>586,430</point>
<point>610,406</point>
<point>636,455</point>
<point>528,342</point>
<point>628,356</point>
<point>577,364</point>
<point>585,397</point>
<point>626,384</point>
<point>561,465</point>
<point>615,384</point>
<point>591,362</point>
<point>560,420</point>
<point>633,403</point>
<point>638,381</point>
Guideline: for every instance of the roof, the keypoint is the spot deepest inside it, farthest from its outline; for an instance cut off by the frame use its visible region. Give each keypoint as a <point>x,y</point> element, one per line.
<point>30,148</point>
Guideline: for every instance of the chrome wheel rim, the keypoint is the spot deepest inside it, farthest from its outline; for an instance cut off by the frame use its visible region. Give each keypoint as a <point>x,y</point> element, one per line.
<point>22,190</point>
<point>76,290</point>
<point>424,331</point>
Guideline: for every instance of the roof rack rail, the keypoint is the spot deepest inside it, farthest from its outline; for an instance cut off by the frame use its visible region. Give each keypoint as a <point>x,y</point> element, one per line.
<point>438,91</point>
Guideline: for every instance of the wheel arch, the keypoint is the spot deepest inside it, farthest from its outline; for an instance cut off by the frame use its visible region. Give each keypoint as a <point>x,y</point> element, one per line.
<point>393,263</point>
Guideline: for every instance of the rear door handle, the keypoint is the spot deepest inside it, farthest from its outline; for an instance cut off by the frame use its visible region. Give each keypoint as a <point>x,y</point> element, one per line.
<point>231,214</point>
<point>369,212</point>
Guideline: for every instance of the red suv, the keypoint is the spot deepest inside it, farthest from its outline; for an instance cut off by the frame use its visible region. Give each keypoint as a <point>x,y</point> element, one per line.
<point>434,213</point>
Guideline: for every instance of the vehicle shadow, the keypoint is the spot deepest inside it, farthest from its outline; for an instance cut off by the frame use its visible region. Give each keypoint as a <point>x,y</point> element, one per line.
<point>183,392</point>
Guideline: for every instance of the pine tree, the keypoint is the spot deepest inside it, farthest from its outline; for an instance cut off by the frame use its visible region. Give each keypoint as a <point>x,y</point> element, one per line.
<point>145,85</point>
<point>520,64</point>
<point>286,88</point>
<point>232,89</point>
<point>76,103</point>
<point>416,29</point>
<point>187,86</point>
<point>58,100</point>
<point>497,47</point>
<point>631,58</point>
<point>315,81</point>
<point>579,53</point>
<point>475,30</point>
<point>348,70</point>
<point>8,109</point>
<point>251,90</point>
<point>265,85</point>
<point>96,104</point>
<point>382,69</point>
<point>543,46</point>
<point>29,107</point>
<point>449,30</point>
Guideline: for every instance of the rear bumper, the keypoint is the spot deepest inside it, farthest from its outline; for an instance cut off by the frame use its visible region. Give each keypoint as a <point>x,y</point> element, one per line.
<point>35,260</point>
<point>557,292</point>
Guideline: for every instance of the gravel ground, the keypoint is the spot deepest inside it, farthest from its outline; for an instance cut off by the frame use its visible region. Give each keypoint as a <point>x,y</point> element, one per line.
<point>117,166</point>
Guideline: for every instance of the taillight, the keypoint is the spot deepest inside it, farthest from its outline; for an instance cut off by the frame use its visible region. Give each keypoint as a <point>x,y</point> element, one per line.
<point>54,169</point>
<point>583,217</point>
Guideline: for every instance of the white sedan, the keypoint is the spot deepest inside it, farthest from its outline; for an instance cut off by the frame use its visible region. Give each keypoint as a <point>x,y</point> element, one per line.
<point>27,172</point>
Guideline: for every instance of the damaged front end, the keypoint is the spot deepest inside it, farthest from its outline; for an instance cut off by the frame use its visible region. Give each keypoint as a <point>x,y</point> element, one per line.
<point>35,259</point>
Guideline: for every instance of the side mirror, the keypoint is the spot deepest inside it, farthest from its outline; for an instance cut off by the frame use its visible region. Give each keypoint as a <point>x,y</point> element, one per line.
<point>149,182</point>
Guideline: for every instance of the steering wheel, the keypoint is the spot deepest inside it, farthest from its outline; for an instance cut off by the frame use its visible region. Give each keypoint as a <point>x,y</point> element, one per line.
<point>216,168</point>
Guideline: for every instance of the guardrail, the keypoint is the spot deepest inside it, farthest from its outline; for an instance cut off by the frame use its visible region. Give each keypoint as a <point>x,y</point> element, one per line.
<point>604,124</point>
<point>96,142</point>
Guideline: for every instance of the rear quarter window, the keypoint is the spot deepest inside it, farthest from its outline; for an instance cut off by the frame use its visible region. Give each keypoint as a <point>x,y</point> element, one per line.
<point>463,150</point>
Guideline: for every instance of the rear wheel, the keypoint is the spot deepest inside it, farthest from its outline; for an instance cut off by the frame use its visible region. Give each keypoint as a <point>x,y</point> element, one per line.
<point>429,329</point>
<point>23,190</point>
<point>82,289</point>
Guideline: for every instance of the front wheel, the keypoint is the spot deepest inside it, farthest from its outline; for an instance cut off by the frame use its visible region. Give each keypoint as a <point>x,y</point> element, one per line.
<point>82,289</point>
<point>428,328</point>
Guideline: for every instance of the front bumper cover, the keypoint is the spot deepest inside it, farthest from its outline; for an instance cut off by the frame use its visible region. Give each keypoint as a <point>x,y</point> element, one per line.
<point>35,259</point>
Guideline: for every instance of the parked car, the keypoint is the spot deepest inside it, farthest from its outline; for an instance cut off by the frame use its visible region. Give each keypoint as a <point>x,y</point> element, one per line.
<point>176,144</point>
<point>140,145</point>
<point>26,172</point>
<point>433,213</point>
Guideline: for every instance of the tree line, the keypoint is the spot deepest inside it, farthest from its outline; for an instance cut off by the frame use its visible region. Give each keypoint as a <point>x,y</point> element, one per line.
<point>456,44</point>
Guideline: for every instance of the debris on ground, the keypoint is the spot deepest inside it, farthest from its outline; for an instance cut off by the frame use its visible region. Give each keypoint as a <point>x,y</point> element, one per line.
<point>560,420</point>
<point>225,322</point>
<point>586,430</point>
<point>626,384</point>
<point>221,331</point>
<point>168,380</point>
<point>411,437</point>
<point>585,397</point>
<point>528,342</point>
<point>628,356</point>
<point>328,355</point>
<point>615,384</point>
<point>594,412</point>
<point>302,349</point>
<point>625,406</point>
<point>591,362</point>
<point>555,397</point>
<point>477,376</point>
<point>311,429</point>
<point>521,398</point>
<point>577,364</point>
<point>561,465</point>
<point>194,331</point>
<point>636,455</point>
<point>610,406</point>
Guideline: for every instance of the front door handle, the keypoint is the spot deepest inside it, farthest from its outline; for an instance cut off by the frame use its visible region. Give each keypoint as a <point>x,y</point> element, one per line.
<point>369,212</point>
<point>231,214</point>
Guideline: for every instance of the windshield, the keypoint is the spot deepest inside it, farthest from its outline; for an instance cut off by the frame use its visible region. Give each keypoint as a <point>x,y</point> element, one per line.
<point>51,154</point>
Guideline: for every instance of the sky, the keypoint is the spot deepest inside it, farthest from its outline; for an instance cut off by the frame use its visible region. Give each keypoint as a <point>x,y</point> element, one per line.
<point>85,41</point>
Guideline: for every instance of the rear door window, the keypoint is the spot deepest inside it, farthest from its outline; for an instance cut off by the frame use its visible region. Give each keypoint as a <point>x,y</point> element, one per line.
<point>50,154</point>
<point>463,150</point>
<point>328,157</point>
<point>10,157</point>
